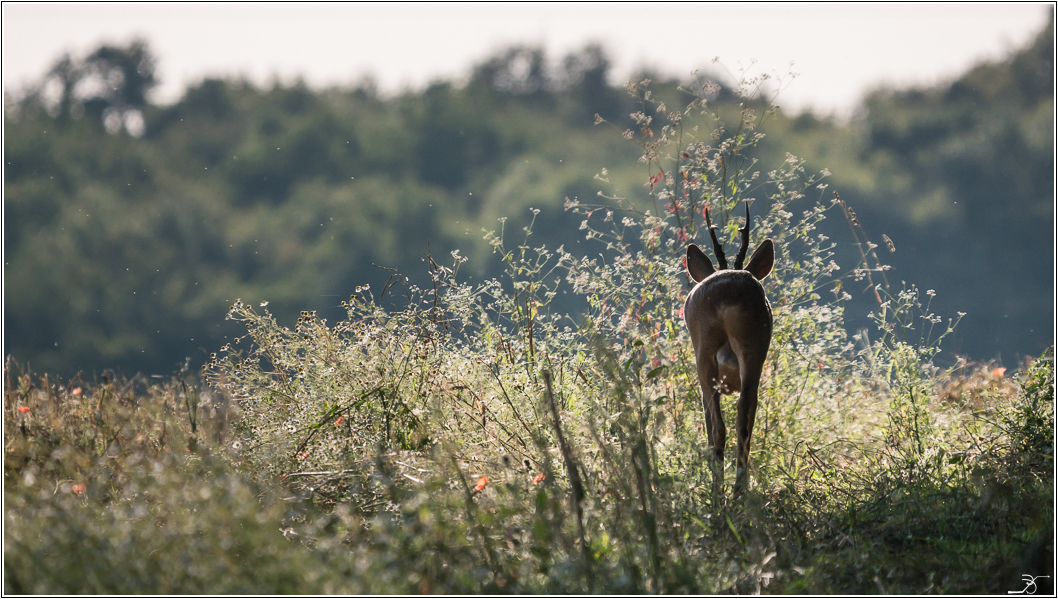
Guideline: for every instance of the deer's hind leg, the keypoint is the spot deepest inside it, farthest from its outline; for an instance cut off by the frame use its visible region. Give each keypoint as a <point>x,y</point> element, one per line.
<point>749,369</point>
<point>709,381</point>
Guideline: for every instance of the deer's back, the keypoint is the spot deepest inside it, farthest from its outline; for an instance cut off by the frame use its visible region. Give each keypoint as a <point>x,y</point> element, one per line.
<point>732,301</point>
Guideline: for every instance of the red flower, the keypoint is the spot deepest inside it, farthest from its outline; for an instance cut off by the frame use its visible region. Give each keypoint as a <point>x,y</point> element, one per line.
<point>78,489</point>
<point>76,391</point>
<point>484,480</point>
<point>339,421</point>
<point>23,409</point>
<point>539,478</point>
<point>655,179</point>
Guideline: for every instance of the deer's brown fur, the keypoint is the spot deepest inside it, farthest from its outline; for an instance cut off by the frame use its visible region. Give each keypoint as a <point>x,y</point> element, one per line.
<point>730,323</point>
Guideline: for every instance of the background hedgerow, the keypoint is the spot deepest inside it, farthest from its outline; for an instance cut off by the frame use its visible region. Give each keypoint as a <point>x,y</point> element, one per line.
<point>478,439</point>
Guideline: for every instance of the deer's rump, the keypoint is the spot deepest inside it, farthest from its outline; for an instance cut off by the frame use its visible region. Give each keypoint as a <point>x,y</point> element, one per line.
<point>728,315</point>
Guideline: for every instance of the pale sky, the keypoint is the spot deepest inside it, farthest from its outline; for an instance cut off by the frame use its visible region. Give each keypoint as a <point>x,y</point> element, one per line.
<point>840,51</point>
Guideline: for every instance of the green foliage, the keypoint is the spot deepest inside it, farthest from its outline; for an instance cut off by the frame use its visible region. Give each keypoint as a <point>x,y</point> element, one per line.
<point>129,225</point>
<point>124,244</point>
<point>122,485</point>
<point>957,165</point>
<point>1030,422</point>
<point>469,435</point>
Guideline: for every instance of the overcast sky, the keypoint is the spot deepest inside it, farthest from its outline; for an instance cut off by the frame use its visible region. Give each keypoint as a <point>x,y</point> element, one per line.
<point>840,51</point>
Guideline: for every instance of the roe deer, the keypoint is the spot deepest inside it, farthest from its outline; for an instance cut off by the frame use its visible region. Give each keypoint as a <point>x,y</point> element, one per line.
<point>730,322</point>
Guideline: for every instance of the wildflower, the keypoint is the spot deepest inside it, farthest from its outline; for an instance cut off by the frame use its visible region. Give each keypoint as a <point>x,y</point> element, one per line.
<point>484,480</point>
<point>996,372</point>
<point>655,179</point>
<point>76,391</point>
<point>892,249</point>
<point>339,421</point>
<point>78,489</point>
<point>23,409</point>
<point>539,478</point>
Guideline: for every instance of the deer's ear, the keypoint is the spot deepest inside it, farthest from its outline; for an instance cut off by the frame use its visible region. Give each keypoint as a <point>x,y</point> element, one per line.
<point>698,264</point>
<point>762,260</point>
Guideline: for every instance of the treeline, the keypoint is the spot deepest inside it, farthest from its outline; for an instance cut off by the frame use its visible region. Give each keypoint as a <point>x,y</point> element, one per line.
<point>970,167</point>
<point>130,227</point>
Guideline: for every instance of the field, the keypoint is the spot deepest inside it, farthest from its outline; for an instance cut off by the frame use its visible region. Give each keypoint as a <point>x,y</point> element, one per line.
<point>474,439</point>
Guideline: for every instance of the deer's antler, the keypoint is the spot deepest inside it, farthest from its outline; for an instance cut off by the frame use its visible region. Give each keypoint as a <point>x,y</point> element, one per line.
<point>718,249</point>
<point>745,242</point>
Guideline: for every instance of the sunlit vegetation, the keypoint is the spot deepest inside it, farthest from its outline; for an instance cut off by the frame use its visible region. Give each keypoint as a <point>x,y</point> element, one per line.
<point>459,432</point>
<point>130,226</point>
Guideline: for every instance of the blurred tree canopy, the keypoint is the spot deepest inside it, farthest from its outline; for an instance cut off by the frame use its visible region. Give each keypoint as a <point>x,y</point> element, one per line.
<point>962,177</point>
<point>130,226</point>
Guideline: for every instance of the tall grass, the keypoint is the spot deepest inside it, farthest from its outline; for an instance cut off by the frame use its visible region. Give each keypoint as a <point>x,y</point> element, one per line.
<point>478,440</point>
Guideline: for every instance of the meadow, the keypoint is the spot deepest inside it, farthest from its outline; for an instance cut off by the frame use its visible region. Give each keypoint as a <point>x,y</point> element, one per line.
<point>471,437</point>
